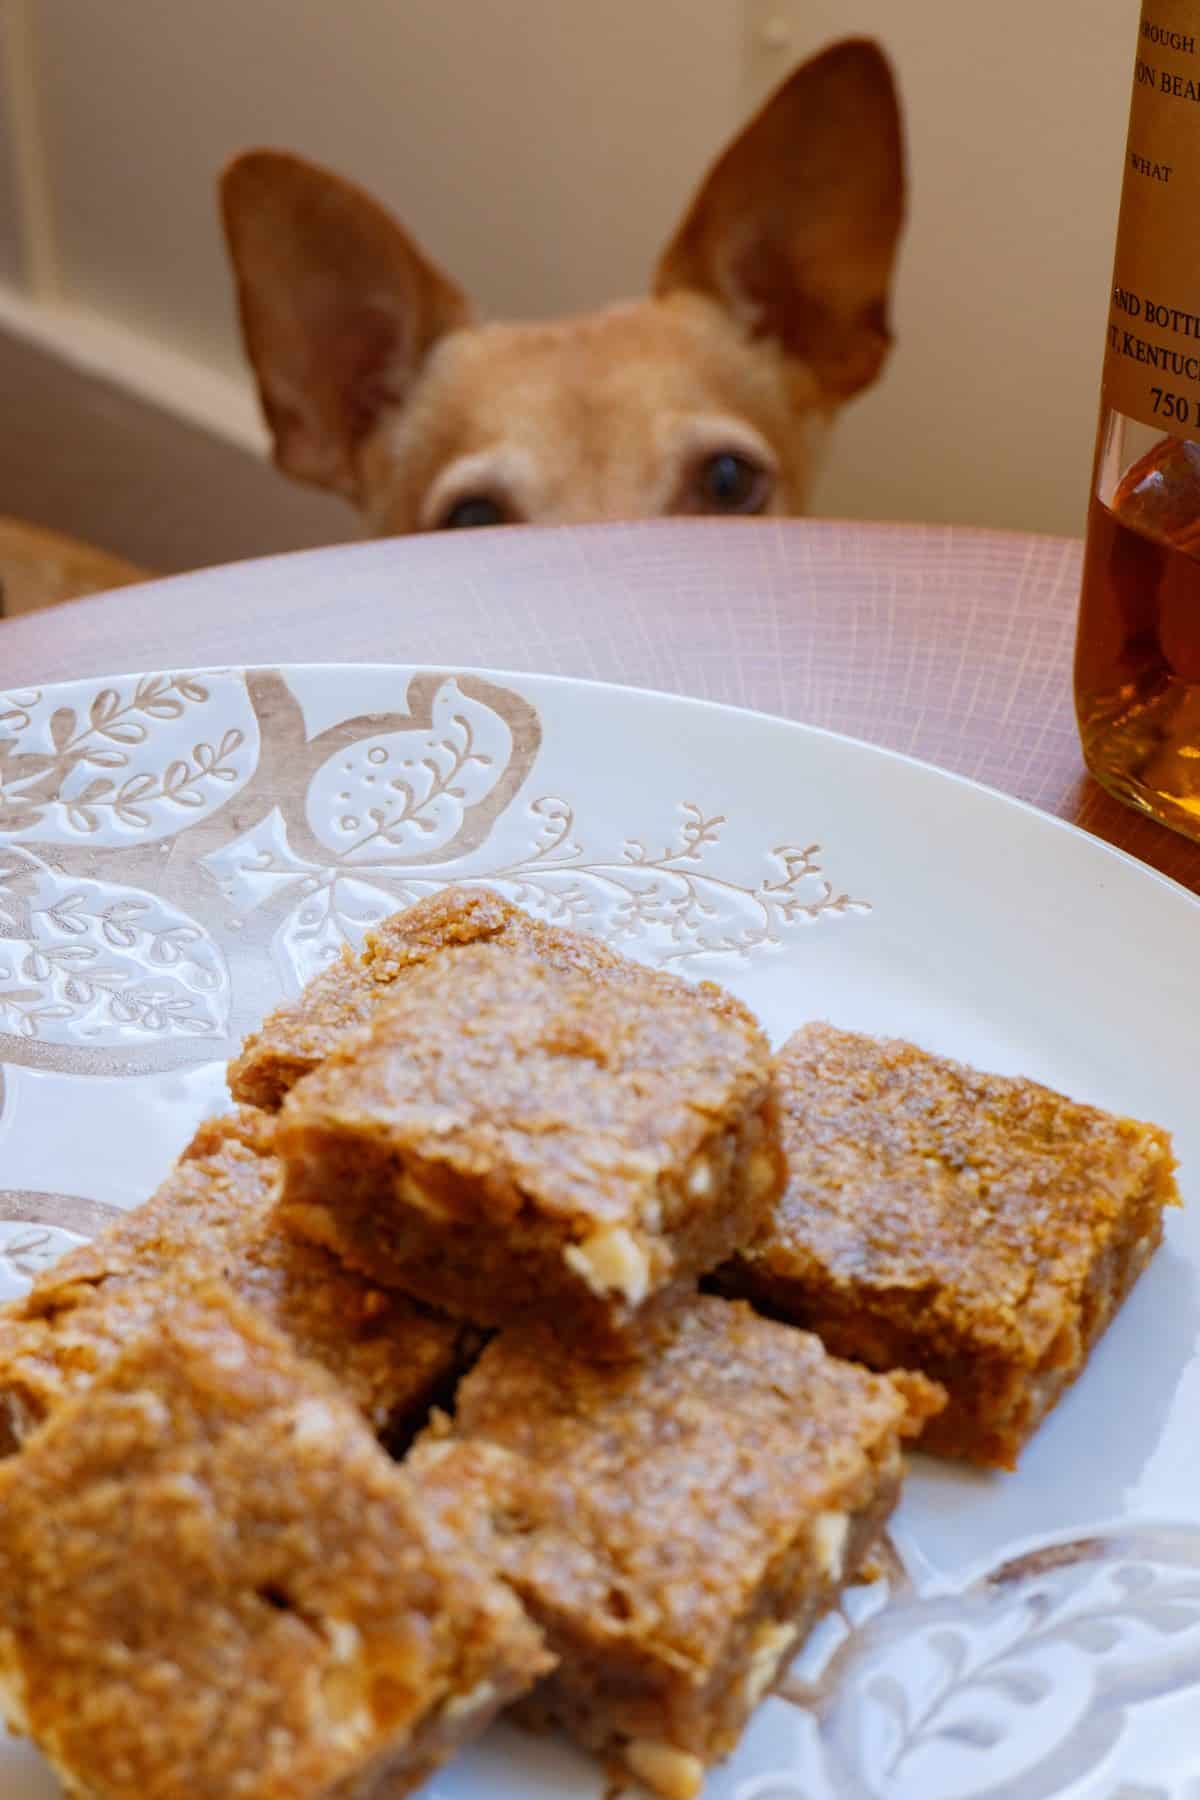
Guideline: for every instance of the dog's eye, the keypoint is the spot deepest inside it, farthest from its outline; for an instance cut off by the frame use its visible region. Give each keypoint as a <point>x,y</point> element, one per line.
<point>476,509</point>
<point>729,483</point>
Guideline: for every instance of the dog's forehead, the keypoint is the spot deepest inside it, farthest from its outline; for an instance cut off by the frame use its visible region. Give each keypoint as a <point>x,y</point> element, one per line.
<point>682,353</point>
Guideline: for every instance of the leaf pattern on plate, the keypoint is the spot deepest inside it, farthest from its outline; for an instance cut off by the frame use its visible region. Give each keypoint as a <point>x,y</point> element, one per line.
<point>363,802</point>
<point>36,1229</point>
<point>93,963</point>
<point>330,917</point>
<point>667,899</point>
<point>28,1250</point>
<point>1021,1684</point>
<point>125,763</point>
<point>665,903</point>
<point>391,796</point>
<point>254,869</point>
<point>16,710</point>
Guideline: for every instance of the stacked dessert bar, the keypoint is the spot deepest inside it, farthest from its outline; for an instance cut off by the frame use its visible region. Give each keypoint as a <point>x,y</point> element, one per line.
<point>401,1400</point>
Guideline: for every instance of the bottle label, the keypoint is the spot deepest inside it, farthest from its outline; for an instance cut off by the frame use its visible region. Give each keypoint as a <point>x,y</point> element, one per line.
<point>1152,357</point>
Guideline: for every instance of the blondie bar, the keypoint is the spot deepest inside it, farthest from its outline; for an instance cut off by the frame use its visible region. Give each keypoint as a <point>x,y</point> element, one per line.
<point>978,1227</point>
<point>214,1582</point>
<point>512,1137</point>
<point>296,1037</point>
<point>216,1211</point>
<point>675,1522</point>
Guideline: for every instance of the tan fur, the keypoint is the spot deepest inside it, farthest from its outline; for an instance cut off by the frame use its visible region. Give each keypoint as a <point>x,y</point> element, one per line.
<point>769,311</point>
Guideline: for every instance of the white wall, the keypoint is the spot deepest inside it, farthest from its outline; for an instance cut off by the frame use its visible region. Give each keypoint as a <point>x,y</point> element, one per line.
<point>1016,120</point>
<point>539,148</point>
<point>542,149</point>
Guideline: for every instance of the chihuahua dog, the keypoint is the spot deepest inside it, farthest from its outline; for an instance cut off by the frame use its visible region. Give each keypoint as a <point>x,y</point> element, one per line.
<point>769,311</point>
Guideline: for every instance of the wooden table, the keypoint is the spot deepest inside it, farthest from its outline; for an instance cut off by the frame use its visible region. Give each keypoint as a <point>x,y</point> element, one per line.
<point>950,645</point>
<point>40,568</point>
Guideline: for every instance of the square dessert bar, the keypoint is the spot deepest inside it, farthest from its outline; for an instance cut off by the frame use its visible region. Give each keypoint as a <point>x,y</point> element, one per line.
<point>675,1522</point>
<point>215,1211</point>
<point>978,1227</point>
<point>213,1581</point>
<point>296,1037</point>
<point>511,1137</point>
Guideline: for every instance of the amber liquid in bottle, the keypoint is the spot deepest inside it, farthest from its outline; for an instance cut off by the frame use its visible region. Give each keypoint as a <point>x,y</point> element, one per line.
<point>1137,661</point>
<point>1137,670</point>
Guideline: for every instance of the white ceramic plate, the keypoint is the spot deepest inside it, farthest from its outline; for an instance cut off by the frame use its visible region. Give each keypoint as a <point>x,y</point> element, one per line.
<point>176,851</point>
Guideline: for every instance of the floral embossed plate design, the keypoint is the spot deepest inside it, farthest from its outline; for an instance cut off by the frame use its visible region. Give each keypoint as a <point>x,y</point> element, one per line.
<point>178,850</point>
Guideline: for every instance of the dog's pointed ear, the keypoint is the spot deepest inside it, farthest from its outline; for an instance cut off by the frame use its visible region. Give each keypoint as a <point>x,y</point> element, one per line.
<point>338,308</point>
<point>794,229</point>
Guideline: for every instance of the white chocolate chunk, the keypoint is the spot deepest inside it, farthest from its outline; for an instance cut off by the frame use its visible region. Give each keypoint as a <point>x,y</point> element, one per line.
<point>13,1693</point>
<point>830,1532</point>
<point>348,1719</point>
<point>771,1644</point>
<point>313,1423</point>
<point>673,1773</point>
<point>652,1214</point>
<point>476,1700</point>
<point>612,1262</point>
<point>700,1180</point>
<point>761,1174</point>
<point>313,1223</point>
<point>413,1193</point>
<point>345,1640</point>
<point>435,1450</point>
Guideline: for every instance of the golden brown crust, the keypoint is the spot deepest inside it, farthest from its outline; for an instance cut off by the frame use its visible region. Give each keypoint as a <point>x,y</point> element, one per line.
<point>979,1227</point>
<point>459,916</point>
<point>297,1037</point>
<point>509,1136</point>
<point>212,1581</point>
<point>669,1518</point>
<point>216,1210</point>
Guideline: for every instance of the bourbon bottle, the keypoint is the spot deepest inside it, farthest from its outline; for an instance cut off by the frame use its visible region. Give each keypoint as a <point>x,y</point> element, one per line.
<point>1137,660</point>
